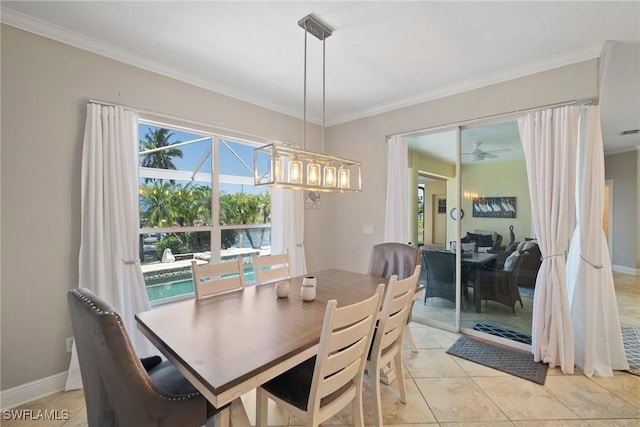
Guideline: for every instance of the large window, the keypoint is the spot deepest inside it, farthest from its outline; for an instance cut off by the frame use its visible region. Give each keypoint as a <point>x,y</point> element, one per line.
<point>197,201</point>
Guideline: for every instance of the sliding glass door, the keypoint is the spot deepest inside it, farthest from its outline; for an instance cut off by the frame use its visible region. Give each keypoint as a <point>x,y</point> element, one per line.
<point>498,277</point>
<point>432,159</point>
<point>473,214</point>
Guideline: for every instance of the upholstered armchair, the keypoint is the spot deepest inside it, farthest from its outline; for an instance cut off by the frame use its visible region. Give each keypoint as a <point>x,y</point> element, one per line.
<point>498,285</point>
<point>119,388</point>
<point>526,269</point>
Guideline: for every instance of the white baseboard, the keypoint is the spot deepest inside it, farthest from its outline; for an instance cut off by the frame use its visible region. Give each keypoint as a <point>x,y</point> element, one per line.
<point>625,270</point>
<point>25,393</point>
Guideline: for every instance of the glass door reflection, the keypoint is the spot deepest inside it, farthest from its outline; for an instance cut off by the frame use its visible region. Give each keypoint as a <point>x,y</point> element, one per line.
<point>495,230</point>
<point>432,173</point>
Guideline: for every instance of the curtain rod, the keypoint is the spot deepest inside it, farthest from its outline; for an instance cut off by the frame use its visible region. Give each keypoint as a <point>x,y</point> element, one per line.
<point>219,129</point>
<point>467,122</point>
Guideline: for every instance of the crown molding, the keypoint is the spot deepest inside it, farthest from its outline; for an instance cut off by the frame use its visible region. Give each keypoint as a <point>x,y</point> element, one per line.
<point>45,29</point>
<point>622,150</point>
<point>544,64</point>
<point>36,26</point>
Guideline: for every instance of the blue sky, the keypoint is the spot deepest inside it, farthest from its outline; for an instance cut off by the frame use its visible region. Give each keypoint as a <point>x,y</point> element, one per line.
<point>193,153</point>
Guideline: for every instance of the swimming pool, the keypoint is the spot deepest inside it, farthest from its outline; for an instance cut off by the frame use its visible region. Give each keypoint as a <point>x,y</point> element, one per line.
<point>175,288</point>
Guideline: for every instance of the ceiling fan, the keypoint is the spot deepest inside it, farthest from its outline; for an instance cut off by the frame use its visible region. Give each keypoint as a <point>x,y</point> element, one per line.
<point>478,154</point>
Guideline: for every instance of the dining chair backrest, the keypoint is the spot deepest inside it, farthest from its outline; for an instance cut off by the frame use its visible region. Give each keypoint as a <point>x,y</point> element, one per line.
<point>320,387</point>
<point>392,258</point>
<point>395,310</point>
<point>212,279</point>
<point>118,390</point>
<point>387,344</point>
<point>269,268</point>
<point>346,337</point>
<point>440,274</point>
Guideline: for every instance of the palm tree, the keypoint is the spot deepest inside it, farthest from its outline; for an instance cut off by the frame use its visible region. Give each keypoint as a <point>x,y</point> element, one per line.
<point>156,205</point>
<point>161,159</point>
<point>192,204</point>
<point>240,208</point>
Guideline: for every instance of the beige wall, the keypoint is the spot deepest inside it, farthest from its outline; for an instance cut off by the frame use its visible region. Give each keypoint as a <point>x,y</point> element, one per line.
<point>421,163</point>
<point>508,178</point>
<point>624,170</point>
<point>45,86</point>
<point>343,244</point>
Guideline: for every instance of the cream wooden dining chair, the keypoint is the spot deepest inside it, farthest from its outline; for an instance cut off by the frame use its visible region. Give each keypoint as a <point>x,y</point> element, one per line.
<point>317,389</point>
<point>211,279</point>
<point>387,344</point>
<point>271,267</point>
<point>396,258</point>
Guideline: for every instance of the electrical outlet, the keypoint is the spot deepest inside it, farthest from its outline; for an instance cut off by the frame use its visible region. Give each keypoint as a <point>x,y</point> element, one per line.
<point>69,344</point>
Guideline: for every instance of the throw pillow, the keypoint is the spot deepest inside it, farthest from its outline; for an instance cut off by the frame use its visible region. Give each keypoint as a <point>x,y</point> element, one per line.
<point>468,247</point>
<point>512,247</point>
<point>483,240</point>
<point>529,244</point>
<point>510,262</point>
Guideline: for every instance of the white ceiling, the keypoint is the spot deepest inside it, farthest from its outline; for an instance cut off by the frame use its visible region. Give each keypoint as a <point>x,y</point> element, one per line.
<point>381,56</point>
<point>442,145</point>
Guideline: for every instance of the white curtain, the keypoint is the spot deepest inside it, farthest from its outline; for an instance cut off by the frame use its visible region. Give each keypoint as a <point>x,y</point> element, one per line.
<point>396,222</point>
<point>108,260</point>
<point>549,139</point>
<point>596,325</point>
<point>287,227</point>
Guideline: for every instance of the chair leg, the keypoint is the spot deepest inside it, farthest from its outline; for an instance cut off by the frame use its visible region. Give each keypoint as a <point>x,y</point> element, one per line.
<point>238,414</point>
<point>262,403</point>
<point>356,407</point>
<point>377,401</point>
<point>409,337</point>
<point>397,361</point>
<point>221,419</point>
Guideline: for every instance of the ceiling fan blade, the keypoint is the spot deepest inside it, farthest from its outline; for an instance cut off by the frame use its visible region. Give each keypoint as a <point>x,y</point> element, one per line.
<point>488,155</point>
<point>500,150</point>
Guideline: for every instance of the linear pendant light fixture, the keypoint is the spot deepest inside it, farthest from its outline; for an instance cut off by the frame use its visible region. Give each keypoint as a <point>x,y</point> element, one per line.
<point>289,167</point>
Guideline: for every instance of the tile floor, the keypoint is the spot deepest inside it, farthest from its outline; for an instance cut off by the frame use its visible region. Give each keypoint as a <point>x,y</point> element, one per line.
<point>444,390</point>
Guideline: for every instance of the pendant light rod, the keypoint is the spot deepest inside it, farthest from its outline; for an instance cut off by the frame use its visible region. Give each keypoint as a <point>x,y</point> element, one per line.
<point>289,167</point>
<point>304,96</point>
<point>323,92</point>
<point>312,25</point>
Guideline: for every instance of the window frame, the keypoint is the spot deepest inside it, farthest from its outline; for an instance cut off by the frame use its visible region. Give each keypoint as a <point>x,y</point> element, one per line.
<point>218,137</point>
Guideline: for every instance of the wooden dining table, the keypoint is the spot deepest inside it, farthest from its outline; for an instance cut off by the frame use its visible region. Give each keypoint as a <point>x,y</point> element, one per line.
<point>228,344</point>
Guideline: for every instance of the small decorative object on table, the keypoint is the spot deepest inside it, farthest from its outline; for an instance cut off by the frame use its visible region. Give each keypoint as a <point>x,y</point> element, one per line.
<point>282,289</point>
<point>308,290</point>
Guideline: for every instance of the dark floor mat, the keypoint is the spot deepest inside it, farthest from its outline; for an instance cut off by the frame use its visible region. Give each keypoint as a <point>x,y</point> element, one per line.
<point>512,361</point>
<point>503,333</point>
<point>631,339</point>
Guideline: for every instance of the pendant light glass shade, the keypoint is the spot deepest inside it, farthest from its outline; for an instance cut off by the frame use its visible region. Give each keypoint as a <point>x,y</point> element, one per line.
<point>295,171</point>
<point>345,177</point>
<point>329,179</point>
<point>313,173</point>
